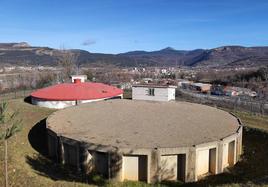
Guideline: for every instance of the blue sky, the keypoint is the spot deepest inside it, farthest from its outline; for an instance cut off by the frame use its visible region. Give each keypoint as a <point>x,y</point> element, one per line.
<point>114,26</point>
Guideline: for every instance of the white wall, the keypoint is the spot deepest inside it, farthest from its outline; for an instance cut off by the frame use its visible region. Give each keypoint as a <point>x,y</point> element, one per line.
<point>52,104</point>
<point>169,165</point>
<point>225,155</point>
<point>62,104</point>
<point>131,168</point>
<point>225,152</point>
<point>83,78</point>
<point>171,94</point>
<point>135,168</point>
<point>161,94</point>
<point>202,162</point>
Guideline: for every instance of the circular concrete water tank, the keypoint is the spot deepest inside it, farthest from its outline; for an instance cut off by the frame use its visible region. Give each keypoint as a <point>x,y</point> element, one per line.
<point>146,141</point>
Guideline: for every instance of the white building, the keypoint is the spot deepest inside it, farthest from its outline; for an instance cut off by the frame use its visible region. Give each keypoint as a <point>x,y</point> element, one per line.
<point>82,78</point>
<point>153,92</point>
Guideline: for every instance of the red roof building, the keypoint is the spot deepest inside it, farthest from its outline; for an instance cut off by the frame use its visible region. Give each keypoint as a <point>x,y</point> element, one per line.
<point>69,94</point>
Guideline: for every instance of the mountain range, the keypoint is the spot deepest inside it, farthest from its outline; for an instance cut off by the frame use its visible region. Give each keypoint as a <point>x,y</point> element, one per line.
<point>226,56</point>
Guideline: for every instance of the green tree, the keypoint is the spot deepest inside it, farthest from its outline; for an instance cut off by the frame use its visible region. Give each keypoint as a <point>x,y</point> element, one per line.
<point>9,126</point>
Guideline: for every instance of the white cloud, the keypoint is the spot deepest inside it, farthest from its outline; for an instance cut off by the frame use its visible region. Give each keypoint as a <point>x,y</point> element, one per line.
<point>88,42</point>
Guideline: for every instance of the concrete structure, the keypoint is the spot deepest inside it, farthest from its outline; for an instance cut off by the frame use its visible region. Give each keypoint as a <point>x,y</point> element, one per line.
<point>83,78</point>
<point>144,140</point>
<point>152,92</point>
<point>69,94</point>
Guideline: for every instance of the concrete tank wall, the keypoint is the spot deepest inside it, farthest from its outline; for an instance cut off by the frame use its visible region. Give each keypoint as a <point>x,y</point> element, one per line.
<point>134,167</point>
<point>130,168</point>
<point>169,166</point>
<point>202,162</point>
<point>150,165</point>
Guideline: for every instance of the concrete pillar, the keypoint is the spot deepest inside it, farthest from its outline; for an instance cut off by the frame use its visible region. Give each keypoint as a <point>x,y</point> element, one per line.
<point>84,162</point>
<point>78,165</point>
<point>61,151</point>
<point>239,146</point>
<point>191,167</point>
<point>220,156</point>
<point>52,145</point>
<point>155,166</point>
<point>115,166</point>
<point>241,141</point>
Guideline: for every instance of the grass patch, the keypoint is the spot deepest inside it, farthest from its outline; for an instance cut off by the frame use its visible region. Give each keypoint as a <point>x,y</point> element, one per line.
<point>253,120</point>
<point>20,152</point>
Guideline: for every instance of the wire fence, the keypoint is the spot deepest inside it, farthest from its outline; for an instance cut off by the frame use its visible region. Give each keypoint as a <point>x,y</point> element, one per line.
<point>15,94</point>
<point>234,103</point>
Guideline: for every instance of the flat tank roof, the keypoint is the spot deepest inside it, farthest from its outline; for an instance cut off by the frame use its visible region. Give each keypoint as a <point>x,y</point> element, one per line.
<point>143,124</point>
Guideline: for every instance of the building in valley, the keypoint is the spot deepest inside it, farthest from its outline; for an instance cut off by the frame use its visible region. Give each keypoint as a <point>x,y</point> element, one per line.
<point>201,87</point>
<point>153,92</point>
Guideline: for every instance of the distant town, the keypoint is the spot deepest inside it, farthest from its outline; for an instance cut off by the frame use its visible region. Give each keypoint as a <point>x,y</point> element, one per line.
<point>199,80</point>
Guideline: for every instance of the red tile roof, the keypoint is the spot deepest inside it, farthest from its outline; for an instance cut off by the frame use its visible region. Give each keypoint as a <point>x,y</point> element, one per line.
<point>77,91</point>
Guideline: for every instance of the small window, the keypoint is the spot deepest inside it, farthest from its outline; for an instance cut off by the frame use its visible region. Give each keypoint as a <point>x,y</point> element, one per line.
<point>151,91</point>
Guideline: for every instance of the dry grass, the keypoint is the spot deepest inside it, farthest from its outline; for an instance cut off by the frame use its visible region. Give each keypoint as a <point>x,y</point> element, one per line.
<point>20,172</point>
<point>253,120</point>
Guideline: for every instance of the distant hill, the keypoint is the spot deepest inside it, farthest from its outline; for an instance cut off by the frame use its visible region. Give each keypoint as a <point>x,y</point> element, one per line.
<point>226,56</point>
<point>24,54</point>
<point>222,56</point>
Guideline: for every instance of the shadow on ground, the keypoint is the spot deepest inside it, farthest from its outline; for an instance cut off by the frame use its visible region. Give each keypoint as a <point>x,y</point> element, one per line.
<point>44,166</point>
<point>47,168</point>
<point>38,138</point>
<point>28,100</point>
<point>252,169</point>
